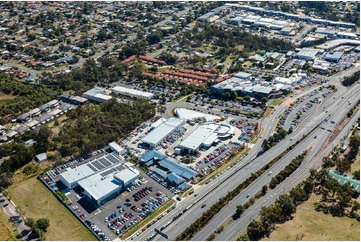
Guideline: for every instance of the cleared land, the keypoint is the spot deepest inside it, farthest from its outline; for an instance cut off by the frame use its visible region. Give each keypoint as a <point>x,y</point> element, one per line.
<point>4,96</point>
<point>308,224</point>
<point>37,201</point>
<point>7,232</point>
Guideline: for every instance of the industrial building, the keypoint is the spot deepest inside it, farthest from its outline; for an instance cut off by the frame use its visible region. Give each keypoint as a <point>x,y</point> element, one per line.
<point>291,16</point>
<point>191,115</point>
<point>102,178</point>
<point>116,148</point>
<point>333,56</point>
<point>166,164</point>
<point>205,136</point>
<point>243,84</point>
<point>72,176</point>
<point>157,135</point>
<point>97,94</point>
<point>101,187</point>
<point>308,54</point>
<point>132,92</point>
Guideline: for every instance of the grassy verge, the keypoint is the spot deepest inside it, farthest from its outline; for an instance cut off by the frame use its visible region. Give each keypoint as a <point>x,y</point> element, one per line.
<point>309,224</point>
<point>36,201</point>
<point>267,112</point>
<point>181,99</point>
<point>224,166</point>
<point>148,219</point>
<point>7,231</point>
<point>277,101</point>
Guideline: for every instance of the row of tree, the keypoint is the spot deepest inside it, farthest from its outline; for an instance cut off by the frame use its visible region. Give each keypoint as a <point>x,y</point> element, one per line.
<point>348,81</point>
<point>273,139</point>
<point>279,212</point>
<point>287,171</point>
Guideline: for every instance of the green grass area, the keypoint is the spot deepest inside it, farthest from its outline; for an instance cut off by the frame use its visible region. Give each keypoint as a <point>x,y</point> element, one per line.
<point>148,219</point>
<point>181,99</point>
<point>7,231</point>
<point>36,201</point>
<point>164,68</point>
<point>308,224</point>
<point>277,101</point>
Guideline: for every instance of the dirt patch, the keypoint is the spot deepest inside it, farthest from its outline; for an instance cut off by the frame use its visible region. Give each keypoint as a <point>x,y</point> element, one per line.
<point>288,101</point>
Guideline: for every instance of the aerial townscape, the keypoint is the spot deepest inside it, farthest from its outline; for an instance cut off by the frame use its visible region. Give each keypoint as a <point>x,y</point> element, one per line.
<point>180,120</point>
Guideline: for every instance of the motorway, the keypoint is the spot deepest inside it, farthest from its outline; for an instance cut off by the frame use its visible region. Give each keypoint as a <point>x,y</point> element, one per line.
<point>313,142</point>
<point>218,188</point>
<point>232,231</point>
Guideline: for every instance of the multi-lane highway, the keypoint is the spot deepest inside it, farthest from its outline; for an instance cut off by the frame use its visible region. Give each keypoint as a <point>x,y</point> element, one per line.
<point>236,227</point>
<point>218,188</point>
<point>313,143</point>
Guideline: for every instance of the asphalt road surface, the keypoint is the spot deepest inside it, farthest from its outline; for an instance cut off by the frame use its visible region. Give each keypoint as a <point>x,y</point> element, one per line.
<point>314,142</point>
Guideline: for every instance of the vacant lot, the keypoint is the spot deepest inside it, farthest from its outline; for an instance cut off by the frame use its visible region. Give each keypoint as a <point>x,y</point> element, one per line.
<point>309,224</point>
<point>36,201</point>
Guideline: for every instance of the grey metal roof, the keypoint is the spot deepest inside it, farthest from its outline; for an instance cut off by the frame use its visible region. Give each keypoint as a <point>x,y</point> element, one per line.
<point>334,55</point>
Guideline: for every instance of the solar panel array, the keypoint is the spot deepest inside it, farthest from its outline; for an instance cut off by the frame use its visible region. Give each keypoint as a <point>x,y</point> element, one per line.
<point>92,167</point>
<point>119,168</point>
<point>97,164</point>
<point>108,172</point>
<point>105,162</point>
<point>113,159</point>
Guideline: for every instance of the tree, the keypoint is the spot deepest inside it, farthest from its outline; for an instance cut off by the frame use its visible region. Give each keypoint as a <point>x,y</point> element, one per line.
<point>42,223</point>
<point>264,189</point>
<point>30,223</point>
<point>168,58</point>
<point>354,145</point>
<point>287,205</point>
<point>256,230</point>
<point>298,194</point>
<point>32,36</point>
<point>356,175</point>
<point>271,215</point>
<point>308,186</point>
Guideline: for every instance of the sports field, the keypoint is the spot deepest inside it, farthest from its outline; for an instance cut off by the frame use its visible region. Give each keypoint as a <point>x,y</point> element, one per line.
<point>36,201</point>
<point>308,224</point>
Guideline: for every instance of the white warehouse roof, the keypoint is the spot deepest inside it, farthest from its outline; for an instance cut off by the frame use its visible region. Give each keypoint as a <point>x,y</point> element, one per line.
<point>159,133</point>
<point>191,115</point>
<point>77,174</point>
<point>98,187</point>
<point>206,134</point>
<point>132,92</point>
<point>127,175</point>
